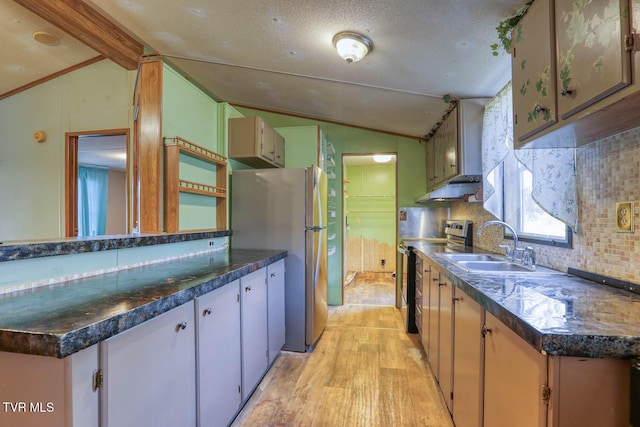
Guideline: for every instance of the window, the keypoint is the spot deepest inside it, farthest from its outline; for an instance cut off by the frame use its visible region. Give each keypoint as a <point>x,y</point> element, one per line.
<point>530,221</point>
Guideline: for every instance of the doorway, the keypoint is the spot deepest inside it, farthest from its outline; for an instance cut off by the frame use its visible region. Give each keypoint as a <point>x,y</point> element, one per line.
<point>370,222</point>
<point>97,183</point>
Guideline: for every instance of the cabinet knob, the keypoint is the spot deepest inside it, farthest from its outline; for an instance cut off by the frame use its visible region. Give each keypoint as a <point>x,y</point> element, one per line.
<point>566,91</point>
<point>181,326</point>
<point>540,109</point>
<point>247,289</point>
<point>206,312</point>
<point>486,331</point>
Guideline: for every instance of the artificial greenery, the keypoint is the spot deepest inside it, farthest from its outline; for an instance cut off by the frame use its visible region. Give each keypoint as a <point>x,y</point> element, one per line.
<point>505,27</point>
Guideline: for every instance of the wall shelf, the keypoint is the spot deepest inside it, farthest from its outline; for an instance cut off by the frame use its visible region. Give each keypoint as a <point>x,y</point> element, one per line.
<point>174,185</point>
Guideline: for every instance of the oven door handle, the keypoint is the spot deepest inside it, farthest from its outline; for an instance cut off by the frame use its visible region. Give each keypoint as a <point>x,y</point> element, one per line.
<point>403,250</point>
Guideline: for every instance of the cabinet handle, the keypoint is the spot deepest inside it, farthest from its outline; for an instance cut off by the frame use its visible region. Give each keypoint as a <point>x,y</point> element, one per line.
<point>540,109</point>
<point>442,284</point>
<point>273,274</point>
<point>247,289</point>
<point>486,331</point>
<point>566,91</point>
<point>456,299</point>
<point>206,312</point>
<point>181,326</point>
<point>435,279</point>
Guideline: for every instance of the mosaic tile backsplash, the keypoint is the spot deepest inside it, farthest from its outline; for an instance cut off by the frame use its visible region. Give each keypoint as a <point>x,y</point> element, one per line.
<point>608,172</point>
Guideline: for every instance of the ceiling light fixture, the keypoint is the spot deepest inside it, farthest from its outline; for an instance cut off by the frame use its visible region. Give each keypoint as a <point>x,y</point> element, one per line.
<point>45,38</point>
<point>381,158</point>
<point>352,47</point>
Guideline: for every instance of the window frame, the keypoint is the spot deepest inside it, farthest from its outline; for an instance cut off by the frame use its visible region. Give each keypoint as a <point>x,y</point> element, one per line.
<point>567,242</point>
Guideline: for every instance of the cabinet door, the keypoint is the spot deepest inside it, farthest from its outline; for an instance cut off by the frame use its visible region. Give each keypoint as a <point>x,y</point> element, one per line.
<point>279,147</point>
<point>426,297</point>
<point>275,308</point>
<point>513,379</point>
<point>533,68</point>
<point>253,290</point>
<point>446,341</point>
<point>592,60</point>
<point>419,295</point>
<point>150,373</point>
<point>219,357</point>
<point>267,148</point>
<point>438,156</point>
<point>468,360</point>
<point>434,322</point>
<point>450,141</point>
<point>430,167</point>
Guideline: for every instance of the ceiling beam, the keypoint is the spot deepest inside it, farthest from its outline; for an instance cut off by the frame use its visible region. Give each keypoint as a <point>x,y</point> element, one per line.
<point>76,18</point>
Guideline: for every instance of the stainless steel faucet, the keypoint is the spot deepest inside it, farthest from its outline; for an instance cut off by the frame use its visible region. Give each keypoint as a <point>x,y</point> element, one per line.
<point>510,228</point>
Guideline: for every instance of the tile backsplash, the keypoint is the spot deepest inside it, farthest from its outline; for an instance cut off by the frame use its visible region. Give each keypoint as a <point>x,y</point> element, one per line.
<point>608,172</point>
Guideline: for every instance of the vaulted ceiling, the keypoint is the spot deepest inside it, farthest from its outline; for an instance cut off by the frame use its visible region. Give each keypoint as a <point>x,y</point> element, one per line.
<point>278,55</point>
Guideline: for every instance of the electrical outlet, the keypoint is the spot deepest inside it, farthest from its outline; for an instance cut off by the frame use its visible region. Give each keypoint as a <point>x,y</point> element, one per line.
<point>383,262</point>
<point>624,217</point>
<point>212,243</point>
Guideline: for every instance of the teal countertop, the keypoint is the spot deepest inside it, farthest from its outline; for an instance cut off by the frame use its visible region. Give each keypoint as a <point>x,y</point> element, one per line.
<point>558,314</point>
<point>62,319</point>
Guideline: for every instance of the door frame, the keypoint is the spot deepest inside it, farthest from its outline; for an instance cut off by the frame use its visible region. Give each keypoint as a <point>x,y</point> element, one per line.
<point>343,216</point>
<point>71,176</point>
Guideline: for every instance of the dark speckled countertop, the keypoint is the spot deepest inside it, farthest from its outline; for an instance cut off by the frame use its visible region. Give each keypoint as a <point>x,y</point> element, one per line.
<point>558,314</point>
<point>62,319</point>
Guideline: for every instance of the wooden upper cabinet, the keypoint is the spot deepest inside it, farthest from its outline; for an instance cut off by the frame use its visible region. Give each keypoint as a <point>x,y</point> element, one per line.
<point>253,142</point>
<point>533,68</point>
<point>592,58</point>
<point>279,149</point>
<point>576,72</point>
<point>450,143</point>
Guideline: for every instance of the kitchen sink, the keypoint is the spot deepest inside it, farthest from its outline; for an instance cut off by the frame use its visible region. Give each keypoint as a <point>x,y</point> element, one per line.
<point>491,263</point>
<point>471,257</point>
<point>494,266</point>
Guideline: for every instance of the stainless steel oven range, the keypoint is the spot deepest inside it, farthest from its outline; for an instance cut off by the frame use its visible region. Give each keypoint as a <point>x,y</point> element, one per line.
<point>458,235</point>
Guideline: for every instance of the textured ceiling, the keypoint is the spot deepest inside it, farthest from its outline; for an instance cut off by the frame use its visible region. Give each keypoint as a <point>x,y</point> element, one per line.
<point>277,55</point>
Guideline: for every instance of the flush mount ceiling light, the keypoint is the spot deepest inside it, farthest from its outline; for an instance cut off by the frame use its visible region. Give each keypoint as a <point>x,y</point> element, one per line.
<point>45,38</point>
<point>381,158</point>
<point>352,47</point>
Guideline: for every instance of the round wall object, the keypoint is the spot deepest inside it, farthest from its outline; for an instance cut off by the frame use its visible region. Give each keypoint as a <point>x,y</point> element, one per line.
<point>39,136</point>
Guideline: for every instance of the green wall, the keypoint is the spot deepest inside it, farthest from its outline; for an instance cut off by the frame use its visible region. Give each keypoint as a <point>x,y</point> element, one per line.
<point>95,97</point>
<point>189,113</point>
<point>346,139</point>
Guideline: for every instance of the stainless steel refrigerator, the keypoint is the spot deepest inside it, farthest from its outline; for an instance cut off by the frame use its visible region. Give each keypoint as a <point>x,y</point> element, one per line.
<point>287,209</point>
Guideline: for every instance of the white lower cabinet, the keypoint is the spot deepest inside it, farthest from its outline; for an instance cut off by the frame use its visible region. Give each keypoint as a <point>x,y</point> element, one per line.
<point>150,373</point>
<point>275,309</point>
<point>46,391</point>
<point>255,347</point>
<point>219,355</point>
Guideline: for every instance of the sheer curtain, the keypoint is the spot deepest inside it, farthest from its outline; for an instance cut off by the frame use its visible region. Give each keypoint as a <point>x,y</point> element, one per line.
<point>92,200</point>
<point>553,169</point>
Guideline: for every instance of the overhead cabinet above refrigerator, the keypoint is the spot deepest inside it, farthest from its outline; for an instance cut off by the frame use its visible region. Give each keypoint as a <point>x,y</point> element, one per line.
<point>253,142</point>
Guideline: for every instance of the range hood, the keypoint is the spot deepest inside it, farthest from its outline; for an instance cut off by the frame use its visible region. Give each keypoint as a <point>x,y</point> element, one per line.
<point>453,191</point>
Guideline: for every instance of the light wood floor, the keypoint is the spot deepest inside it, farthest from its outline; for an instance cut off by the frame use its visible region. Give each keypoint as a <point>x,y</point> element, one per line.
<point>365,371</point>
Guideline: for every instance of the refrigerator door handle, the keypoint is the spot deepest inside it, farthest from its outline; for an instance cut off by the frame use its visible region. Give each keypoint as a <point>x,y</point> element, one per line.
<point>318,228</point>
